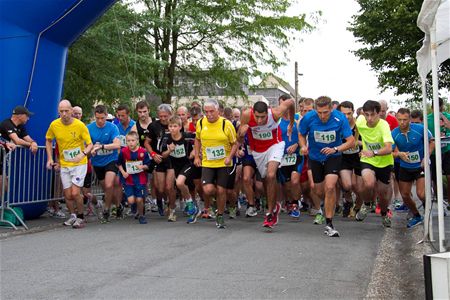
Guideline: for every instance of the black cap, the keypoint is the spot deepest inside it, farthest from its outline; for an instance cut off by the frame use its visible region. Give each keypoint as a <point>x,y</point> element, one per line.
<point>22,110</point>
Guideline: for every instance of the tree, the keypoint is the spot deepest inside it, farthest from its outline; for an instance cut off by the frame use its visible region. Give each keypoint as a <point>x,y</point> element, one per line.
<point>231,40</point>
<point>390,37</point>
<point>111,62</point>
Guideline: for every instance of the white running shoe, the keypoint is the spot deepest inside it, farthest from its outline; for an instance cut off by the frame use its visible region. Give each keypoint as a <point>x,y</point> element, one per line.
<point>71,220</point>
<point>331,232</point>
<point>251,212</point>
<point>79,223</point>
<point>59,214</point>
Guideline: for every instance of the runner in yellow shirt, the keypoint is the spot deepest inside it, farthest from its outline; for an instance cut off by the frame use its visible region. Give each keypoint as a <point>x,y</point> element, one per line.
<point>376,159</point>
<point>215,141</point>
<point>74,142</point>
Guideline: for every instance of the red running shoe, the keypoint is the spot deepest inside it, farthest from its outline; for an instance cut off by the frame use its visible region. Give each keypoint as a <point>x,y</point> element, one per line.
<point>268,221</point>
<point>378,209</point>
<point>276,212</point>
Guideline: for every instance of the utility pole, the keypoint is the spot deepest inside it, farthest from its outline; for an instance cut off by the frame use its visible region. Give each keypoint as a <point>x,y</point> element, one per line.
<point>296,84</point>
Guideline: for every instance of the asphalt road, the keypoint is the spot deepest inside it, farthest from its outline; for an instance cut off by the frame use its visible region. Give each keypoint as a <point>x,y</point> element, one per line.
<point>162,260</point>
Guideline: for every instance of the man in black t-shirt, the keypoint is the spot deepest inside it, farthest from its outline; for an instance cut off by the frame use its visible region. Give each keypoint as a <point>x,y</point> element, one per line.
<point>13,129</point>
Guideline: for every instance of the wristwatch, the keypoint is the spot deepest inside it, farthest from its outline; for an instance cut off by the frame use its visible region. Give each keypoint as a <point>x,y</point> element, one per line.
<point>375,152</point>
<point>336,150</point>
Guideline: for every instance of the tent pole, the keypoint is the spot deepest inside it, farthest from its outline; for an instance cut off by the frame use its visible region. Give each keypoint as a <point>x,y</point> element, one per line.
<point>436,112</point>
<point>428,222</point>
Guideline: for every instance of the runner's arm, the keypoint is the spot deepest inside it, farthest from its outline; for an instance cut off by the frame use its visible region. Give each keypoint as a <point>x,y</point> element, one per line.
<point>243,127</point>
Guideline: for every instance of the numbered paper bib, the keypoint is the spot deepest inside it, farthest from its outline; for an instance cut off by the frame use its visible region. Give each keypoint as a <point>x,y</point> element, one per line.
<point>132,166</point>
<point>104,152</point>
<point>123,140</point>
<point>325,137</point>
<point>215,153</point>
<point>373,146</point>
<point>70,154</point>
<point>263,135</point>
<point>414,157</point>
<point>178,152</point>
<point>288,160</point>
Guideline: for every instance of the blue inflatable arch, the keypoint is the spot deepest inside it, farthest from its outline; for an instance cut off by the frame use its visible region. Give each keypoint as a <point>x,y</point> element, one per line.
<point>34,39</point>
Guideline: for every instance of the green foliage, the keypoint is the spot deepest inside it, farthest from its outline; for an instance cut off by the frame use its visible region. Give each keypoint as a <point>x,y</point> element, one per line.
<point>390,37</point>
<point>110,63</point>
<point>141,48</point>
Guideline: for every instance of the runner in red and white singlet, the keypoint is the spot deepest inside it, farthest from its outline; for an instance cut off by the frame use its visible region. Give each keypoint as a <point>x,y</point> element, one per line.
<point>260,123</point>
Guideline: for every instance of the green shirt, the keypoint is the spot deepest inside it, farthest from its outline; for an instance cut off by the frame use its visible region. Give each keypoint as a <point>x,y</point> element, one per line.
<point>444,131</point>
<point>374,138</point>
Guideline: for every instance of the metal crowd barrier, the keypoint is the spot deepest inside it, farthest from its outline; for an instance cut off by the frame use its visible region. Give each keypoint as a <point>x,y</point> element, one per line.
<point>26,180</point>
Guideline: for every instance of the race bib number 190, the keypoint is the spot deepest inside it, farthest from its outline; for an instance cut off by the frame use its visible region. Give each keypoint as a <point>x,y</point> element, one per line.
<point>215,153</point>
<point>263,135</point>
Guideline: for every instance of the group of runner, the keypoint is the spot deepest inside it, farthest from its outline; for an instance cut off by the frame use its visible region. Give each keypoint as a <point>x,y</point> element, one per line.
<point>320,158</point>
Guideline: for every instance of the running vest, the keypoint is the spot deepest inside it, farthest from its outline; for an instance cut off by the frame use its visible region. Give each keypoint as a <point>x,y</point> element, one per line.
<point>142,133</point>
<point>260,138</point>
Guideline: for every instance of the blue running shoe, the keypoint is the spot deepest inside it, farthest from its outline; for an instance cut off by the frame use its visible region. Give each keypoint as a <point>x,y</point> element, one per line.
<point>414,222</point>
<point>160,208</point>
<point>295,212</point>
<point>142,220</point>
<point>402,208</point>
<point>190,208</point>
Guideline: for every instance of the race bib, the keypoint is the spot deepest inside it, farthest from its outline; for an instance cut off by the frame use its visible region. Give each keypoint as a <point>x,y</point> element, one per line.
<point>373,146</point>
<point>104,152</point>
<point>325,137</point>
<point>70,154</point>
<point>179,151</point>
<point>414,157</point>
<point>132,166</point>
<point>123,140</point>
<point>288,160</point>
<point>215,153</point>
<point>263,135</point>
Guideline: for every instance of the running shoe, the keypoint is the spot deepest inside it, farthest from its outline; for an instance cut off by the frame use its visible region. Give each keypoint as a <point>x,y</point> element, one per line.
<point>276,213</point>
<point>386,221</point>
<point>160,208</point>
<point>79,223</point>
<point>59,214</point>
<point>361,214</point>
<point>211,213</point>
<point>304,207</point>
<point>251,212</point>
<point>190,208</point>
<point>71,220</point>
<point>414,222</point>
<point>295,212</point>
<point>205,214</point>
<point>172,217</point>
<point>402,208</point>
<point>192,218</point>
<point>319,219</point>
<point>113,211</point>
<point>119,212</point>
<point>220,222</point>
<point>331,232</point>
<point>389,213</point>
<point>397,203</point>
<point>378,209</point>
<point>347,206</point>
<point>268,221</point>
<point>105,218</point>
<point>142,220</point>
<point>233,212</point>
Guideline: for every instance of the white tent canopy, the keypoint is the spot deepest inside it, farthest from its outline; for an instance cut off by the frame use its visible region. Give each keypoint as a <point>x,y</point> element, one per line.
<point>434,21</point>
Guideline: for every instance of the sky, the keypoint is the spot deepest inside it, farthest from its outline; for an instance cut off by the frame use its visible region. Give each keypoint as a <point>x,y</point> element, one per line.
<point>325,60</point>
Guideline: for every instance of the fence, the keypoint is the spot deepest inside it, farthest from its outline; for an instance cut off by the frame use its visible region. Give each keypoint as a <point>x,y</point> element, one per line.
<point>26,180</point>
